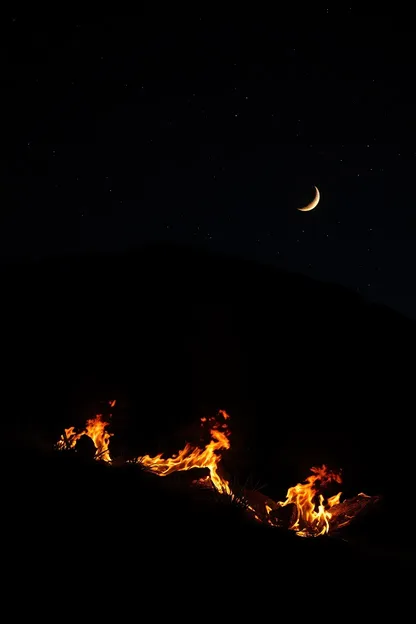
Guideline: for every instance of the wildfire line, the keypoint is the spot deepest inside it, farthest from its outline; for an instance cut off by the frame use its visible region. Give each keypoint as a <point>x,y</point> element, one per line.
<point>310,514</point>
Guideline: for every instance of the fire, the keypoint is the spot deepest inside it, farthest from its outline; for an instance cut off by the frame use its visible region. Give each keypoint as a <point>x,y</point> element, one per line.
<point>194,457</point>
<point>94,429</point>
<point>312,517</point>
<point>309,514</point>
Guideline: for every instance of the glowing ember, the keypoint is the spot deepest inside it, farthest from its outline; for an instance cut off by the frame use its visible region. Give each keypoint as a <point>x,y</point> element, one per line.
<point>194,457</point>
<point>308,513</point>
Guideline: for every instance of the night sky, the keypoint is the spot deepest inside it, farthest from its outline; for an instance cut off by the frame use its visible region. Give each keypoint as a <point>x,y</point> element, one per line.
<point>209,130</point>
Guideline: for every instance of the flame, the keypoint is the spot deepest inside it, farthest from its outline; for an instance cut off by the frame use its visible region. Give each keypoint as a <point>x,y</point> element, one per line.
<point>194,457</point>
<point>311,517</point>
<point>335,500</point>
<point>94,429</point>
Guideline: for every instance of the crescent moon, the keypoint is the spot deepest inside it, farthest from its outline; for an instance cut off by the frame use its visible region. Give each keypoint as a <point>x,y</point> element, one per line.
<point>313,203</point>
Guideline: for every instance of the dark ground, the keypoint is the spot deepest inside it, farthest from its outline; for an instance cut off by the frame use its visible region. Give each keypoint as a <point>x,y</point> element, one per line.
<point>308,372</point>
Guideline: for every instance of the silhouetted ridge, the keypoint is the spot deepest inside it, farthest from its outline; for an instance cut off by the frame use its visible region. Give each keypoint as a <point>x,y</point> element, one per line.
<point>309,372</point>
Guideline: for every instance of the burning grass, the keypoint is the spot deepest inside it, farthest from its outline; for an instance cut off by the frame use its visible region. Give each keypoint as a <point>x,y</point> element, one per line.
<point>306,510</point>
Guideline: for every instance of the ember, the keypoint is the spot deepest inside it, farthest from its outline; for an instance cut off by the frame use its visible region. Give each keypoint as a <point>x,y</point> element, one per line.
<point>304,511</point>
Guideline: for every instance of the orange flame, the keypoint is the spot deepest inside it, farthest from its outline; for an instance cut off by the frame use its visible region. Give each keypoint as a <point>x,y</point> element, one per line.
<point>194,457</point>
<point>312,518</point>
<point>96,430</point>
<point>311,513</point>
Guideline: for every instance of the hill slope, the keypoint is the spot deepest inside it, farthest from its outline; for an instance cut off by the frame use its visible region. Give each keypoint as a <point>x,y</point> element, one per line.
<point>309,372</point>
